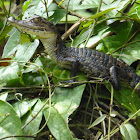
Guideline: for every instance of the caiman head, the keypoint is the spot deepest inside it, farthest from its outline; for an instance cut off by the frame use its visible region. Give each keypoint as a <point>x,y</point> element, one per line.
<point>36,25</point>
<point>43,29</point>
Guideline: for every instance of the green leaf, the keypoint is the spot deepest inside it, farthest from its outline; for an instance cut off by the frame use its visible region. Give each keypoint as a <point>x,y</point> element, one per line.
<point>128,132</point>
<point>9,74</point>
<point>57,16</point>
<point>10,124</point>
<point>97,121</point>
<point>33,79</point>
<point>72,4</point>
<point>5,31</point>
<point>34,66</point>
<point>131,53</point>
<point>3,96</point>
<point>11,44</point>
<point>33,126</point>
<point>60,73</point>
<point>112,43</point>
<point>81,38</point>
<point>65,101</point>
<point>24,38</point>
<point>23,106</point>
<point>101,13</point>
<point>36,7</point>
<point>135,11</point>
<point>26,50</point>
<point>95,39</point>
<point>57,125</point>
<point>125,98</point>
<point>119,4</point>
<point>86,4</point>
<point>41,62</point>
<point>25,5</point>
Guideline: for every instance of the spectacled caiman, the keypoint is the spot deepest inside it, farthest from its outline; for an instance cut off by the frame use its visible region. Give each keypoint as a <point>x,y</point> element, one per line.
<point>92,62</point>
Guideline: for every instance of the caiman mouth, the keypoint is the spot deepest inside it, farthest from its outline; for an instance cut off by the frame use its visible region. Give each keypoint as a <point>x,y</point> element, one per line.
<point>25,23</point>
<point>36,25</point>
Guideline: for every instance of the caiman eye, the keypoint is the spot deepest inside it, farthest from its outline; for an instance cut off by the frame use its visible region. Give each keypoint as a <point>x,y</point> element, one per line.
<point>47,28</point>
<point>36,20</point>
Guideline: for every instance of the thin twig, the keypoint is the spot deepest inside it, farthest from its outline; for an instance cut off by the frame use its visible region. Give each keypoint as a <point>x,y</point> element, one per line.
<point>49,99</point>
<point>110,112</point>
<point>94,100</point>
<point>117,129</point>
<point>103,122</point>
<point>94,45</point>
<point>71,29</point>
<point>46,8</point>
<point>6,13</point>
<point>123,13</point>
<point>70,12</point>
<point>66,24</point>
<point>106,106</point>
<point>21,136</point>
<point>94,23</point>
<point>87,105</point>
<point>127,43</point>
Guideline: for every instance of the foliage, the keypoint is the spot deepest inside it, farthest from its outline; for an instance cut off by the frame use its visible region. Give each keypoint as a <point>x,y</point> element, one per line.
<point>35,101</point>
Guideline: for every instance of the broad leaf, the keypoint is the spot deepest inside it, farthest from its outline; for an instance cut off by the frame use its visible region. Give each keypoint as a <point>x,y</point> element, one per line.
<point>65,101</point>
<point>5,31</point>
<point>57,16</point>
<point>33,79</point>
<point>33,126</point>
<point>101,13</point>
<point>135,11</point>
<point>10,124</point>
<point>3,96</point>
<point>57,125</point>
<point>97,121</point>
<point>86,4</point>
<point>9,74</point>
<point>11,44</point>
<point>119,4</point>
<point>26,50</point>
<point>23,106</point>
<point>128,132</point>
<point>125,98</point>
<point>36,7</point>
<point>112,43</point>
<point>25,5</point>
<point>81,38</point>
<point>131,53</point>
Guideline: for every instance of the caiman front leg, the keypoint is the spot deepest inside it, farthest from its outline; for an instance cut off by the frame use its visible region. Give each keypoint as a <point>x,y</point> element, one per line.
<point>70,63</point>
<point>75,69</point>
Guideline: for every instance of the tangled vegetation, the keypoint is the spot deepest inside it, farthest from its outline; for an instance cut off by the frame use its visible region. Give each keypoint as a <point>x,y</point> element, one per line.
<point>37,103</point>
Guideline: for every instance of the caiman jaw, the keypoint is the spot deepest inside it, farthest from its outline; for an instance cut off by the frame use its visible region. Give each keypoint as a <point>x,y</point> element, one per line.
<point>43,29</point>
<point>36,25</point>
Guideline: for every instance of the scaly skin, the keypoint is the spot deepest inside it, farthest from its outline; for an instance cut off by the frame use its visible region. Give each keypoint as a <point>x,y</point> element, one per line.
<point>92,62</point>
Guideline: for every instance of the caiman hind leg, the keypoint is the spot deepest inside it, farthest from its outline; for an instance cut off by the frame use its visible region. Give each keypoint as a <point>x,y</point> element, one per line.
<point>74,70</point>
<point>117,74</point>
<point>114,73</point>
